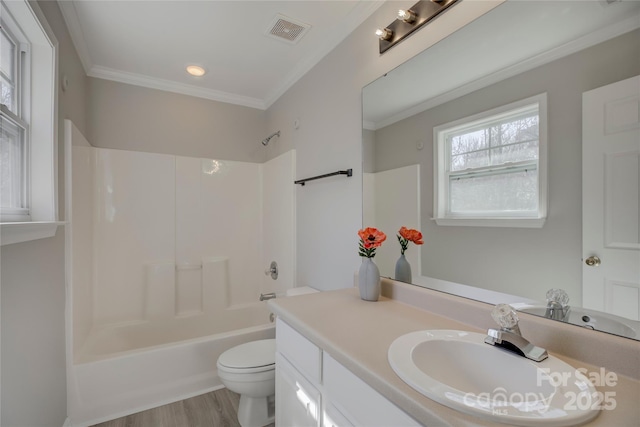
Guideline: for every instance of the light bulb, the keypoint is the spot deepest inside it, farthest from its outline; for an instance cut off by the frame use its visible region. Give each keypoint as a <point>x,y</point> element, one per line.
<point>407,16</point>
<point>196,70</point>
<point>384,33</point>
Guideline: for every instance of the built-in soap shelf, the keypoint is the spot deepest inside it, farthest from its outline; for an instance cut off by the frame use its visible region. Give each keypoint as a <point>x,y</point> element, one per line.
<point>186,289</point>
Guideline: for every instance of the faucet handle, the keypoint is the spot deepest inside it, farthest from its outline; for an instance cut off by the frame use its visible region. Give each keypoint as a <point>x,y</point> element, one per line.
<point>505,316</point>
<point>559,296</point>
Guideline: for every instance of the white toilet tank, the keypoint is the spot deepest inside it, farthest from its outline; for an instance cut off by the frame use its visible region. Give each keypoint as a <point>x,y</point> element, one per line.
<point>300,291</point>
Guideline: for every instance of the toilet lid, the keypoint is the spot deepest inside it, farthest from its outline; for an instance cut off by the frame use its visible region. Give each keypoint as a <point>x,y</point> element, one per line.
<point>253,354</point>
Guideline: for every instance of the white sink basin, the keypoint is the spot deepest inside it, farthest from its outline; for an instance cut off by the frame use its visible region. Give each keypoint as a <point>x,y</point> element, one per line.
<point>590,319</point>
<point>458,370</point>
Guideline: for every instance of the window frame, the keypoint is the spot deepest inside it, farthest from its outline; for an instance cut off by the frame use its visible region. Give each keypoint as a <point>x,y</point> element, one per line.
<point>18,114</point>
<point>40,103</point>
<point>441,202</point>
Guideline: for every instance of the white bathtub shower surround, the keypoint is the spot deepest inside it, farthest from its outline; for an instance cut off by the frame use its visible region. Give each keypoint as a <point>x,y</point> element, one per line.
<point>218,214</point>
<point>165,259</point>
<point>137,380</point>
<point>114,340</point>
<point>279,212</point>
<point>164,237</point>
<point>133,225</point>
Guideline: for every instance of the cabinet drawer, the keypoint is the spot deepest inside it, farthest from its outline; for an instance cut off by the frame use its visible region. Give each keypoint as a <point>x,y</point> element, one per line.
<point>358,401</point>
<point>298,350</point>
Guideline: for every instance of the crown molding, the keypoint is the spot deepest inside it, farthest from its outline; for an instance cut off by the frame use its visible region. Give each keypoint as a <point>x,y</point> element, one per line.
<point>70,16</point>
<point>368,125</point>
<point>175,87</point>
<point>566,49</point>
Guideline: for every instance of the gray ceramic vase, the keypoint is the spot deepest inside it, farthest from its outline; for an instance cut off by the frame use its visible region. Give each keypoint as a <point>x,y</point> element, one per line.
<point>369,280</point>
<point>403,270</point>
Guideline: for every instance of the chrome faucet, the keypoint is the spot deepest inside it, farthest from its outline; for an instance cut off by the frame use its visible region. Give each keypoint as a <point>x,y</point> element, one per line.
<point>509,336</point>
<point>268,296</point>
<point>557,305</point>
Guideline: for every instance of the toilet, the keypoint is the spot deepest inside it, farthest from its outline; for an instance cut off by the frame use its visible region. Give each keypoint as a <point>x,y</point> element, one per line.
<point>249,369</point>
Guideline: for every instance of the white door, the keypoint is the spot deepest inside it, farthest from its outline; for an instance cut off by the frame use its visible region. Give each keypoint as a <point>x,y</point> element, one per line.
<point>610,192</point>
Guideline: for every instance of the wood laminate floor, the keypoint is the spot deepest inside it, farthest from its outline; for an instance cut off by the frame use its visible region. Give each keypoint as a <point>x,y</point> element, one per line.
<point>215,409</point>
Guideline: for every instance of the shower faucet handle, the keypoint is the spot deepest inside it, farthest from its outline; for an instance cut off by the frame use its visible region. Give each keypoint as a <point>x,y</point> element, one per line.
<point>272,270</point>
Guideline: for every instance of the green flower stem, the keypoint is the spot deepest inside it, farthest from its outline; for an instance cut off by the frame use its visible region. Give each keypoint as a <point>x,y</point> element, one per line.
<point>404,244</point>
<point>368,253</point>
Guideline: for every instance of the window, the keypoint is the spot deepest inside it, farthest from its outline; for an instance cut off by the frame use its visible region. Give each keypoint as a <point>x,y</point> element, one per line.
<point>28,117</point>
<point>14,165</point>
<point>490,168</point>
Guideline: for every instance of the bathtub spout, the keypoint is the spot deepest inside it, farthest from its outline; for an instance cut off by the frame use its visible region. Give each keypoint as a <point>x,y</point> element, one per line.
<point>265,297</point>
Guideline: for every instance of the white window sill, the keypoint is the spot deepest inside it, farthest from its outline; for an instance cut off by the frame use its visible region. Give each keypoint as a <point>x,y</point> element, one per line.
<point>17,232</point>
<point>492,222</point>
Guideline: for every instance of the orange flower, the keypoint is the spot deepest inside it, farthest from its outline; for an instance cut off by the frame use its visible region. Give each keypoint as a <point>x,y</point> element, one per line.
<point>411,235</point>
<point>370,239</point>
<point>407,235</point>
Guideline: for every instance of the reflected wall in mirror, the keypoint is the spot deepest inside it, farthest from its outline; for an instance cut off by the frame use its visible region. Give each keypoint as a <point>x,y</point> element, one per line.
<point>518,50</point>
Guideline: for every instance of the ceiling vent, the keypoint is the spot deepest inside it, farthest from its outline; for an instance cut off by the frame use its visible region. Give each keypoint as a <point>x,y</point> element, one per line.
<point>286,29</point>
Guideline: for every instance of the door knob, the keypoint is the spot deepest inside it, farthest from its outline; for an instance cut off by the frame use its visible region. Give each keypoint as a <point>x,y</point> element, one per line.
<point>592,261</point>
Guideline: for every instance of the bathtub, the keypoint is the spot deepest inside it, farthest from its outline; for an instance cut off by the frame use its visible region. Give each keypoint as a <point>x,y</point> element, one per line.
<point>125,369</point>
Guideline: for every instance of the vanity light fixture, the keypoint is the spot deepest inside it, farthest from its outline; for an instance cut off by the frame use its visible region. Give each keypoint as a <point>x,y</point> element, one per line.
<point>196,70</point>
<point>409,20</point>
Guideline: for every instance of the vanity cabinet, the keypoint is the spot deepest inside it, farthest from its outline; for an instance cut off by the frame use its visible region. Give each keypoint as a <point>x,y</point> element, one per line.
<point>313,389</point>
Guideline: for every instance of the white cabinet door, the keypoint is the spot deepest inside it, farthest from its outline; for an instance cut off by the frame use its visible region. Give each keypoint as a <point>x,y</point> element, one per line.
<point>358,401</point>
<point>298,402</point>
<point>610,191</point>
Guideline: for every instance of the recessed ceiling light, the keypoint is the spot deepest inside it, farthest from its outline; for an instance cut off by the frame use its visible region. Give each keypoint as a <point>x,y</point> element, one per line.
<point>196,70</point>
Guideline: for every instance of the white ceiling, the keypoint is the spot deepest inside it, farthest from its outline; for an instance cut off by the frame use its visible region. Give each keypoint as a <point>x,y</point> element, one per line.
<point>149,43</point>
<point>514,37</point>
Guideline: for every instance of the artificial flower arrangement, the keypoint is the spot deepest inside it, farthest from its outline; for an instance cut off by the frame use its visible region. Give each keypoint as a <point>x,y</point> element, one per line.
<point>370,239</point>
<point>406,235</point>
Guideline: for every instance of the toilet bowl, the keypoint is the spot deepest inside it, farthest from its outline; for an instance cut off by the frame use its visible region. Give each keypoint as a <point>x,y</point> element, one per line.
<point>250,370</point>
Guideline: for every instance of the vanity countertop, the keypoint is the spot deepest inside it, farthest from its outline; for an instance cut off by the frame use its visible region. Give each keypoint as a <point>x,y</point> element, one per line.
<point>358,334</point>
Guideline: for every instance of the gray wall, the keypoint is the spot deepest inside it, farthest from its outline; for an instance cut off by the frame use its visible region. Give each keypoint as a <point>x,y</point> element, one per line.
<point>523,262</point>
<point>33,334</point>
<point>32,283</point>
<point>368,151</point>
<point>135,118</point>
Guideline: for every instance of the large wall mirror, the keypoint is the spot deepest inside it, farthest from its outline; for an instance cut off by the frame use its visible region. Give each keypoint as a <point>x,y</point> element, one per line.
<point>519,50</point>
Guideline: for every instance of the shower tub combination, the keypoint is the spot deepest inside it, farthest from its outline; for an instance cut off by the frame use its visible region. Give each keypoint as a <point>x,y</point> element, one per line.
<point>166,255</point>
<point>122,378</point>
